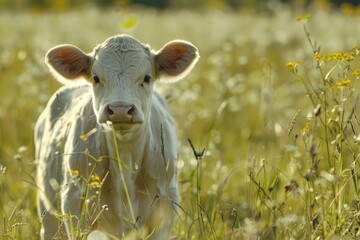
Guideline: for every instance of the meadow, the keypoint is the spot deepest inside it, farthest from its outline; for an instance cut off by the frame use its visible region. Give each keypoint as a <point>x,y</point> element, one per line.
<point>268,123</point>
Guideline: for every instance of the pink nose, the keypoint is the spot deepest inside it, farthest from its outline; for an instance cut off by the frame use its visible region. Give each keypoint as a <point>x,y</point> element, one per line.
<point>120,112</point>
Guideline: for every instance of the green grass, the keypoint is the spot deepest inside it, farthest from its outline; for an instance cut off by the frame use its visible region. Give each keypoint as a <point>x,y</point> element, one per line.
<point>281,140</point>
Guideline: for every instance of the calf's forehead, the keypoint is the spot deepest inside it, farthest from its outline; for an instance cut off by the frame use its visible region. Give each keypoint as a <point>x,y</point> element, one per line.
<point>123,55</point>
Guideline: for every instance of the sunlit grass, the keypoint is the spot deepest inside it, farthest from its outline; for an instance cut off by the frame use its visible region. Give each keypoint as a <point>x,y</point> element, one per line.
<point>273,101</point>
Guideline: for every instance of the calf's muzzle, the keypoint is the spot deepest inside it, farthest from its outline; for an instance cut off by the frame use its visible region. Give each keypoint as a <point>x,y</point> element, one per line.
<point>120,112</point>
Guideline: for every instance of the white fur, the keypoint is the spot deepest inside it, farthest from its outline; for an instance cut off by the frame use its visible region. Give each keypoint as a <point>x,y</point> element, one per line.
<point>147,151</point>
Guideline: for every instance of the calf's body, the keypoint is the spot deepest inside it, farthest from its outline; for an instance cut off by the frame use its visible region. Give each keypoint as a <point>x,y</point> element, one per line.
<point>107,149</point>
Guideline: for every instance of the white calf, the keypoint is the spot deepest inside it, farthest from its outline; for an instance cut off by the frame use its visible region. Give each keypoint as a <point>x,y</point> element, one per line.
<point>106,150</point>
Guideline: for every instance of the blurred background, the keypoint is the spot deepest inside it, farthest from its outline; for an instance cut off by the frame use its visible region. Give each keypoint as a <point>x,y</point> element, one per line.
<point>238,103</point>
<point>163,4</point>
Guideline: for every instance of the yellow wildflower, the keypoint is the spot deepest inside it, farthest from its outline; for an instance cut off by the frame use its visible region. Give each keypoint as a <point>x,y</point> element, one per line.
<point>293,65</point>
<point>73,172</point>
<point>356,50</point>
<point>343,83</point>
<point>342,56</point>
<point>95,177</point>
<point>349,57</point>
<point>336,56</point>
<point>305,129</point>
<point>303,18</point>
<point>94,184</point>
<point>356,73</point>
<point>290,65</point>
<point>129,23</point>
<point>322,57</point>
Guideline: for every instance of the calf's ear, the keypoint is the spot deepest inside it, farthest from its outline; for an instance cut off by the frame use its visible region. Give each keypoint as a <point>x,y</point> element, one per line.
<point>175,60</point>
<point>68,63</point>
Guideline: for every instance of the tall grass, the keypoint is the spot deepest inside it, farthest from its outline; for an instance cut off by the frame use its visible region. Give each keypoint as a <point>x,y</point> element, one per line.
<point>273,150</point>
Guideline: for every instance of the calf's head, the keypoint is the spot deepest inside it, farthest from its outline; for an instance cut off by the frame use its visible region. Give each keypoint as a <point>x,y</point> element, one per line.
<point>121,72</point>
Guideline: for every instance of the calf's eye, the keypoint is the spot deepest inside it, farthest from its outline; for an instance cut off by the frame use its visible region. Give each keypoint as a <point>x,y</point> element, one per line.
<point>147,78</point>
<point>95,79</point>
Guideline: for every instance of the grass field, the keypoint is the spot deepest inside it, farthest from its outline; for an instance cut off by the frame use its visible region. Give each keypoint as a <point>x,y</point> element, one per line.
<point>274,108</point>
